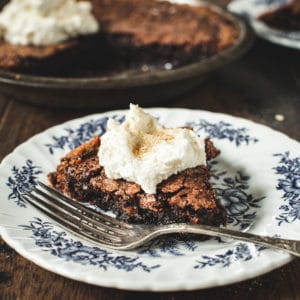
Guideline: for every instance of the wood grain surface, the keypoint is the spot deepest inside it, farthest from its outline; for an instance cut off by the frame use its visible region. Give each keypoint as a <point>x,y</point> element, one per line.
<point>265,82</point>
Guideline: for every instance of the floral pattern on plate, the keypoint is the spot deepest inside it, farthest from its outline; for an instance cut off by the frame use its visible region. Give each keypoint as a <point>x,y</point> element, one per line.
<point>59,245</point>
<point>21,181</point>
<point>289,183</point>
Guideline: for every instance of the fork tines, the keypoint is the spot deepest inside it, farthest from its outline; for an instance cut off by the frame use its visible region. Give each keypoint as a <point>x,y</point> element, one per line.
<point>76,217</point>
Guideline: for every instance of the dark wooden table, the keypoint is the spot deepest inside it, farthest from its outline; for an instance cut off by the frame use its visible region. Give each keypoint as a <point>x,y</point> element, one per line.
<point>261,85</point>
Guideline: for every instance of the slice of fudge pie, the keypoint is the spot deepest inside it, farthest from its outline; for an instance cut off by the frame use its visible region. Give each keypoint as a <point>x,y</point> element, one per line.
<point>144,173</point>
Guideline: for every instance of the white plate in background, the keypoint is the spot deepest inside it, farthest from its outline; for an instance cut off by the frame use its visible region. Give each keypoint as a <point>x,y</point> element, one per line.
<point>252,9</point>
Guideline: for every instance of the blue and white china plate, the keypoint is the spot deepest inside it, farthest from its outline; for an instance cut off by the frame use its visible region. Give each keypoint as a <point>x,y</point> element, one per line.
<point>257,178</point>
<point>251,9</point>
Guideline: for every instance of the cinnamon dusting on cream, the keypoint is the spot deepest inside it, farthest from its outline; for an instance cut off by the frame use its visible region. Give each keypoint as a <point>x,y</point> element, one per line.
<point>147,142</point>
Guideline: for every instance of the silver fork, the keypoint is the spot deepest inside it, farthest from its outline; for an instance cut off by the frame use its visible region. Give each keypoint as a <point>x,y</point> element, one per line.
<point>112,233</point>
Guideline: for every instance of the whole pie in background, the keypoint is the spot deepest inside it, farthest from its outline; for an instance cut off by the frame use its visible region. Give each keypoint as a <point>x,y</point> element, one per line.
<point>132,32</point>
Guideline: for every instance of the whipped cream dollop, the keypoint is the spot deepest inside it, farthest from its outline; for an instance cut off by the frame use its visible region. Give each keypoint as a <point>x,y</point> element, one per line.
<point>142,151</point>
<point>45,22</point>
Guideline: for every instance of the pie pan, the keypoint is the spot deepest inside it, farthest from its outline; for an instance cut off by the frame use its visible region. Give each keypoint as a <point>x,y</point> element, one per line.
<point>118,90</point>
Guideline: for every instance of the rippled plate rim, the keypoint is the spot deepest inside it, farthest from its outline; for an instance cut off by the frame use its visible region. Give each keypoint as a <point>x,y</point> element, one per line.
<point>267,261</point>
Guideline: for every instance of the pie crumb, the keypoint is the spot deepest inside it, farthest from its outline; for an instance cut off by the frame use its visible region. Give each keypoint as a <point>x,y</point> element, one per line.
<point>279,117</point>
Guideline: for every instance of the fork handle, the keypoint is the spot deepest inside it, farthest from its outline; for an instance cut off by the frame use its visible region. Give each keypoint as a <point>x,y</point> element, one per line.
<point>291,246</point>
